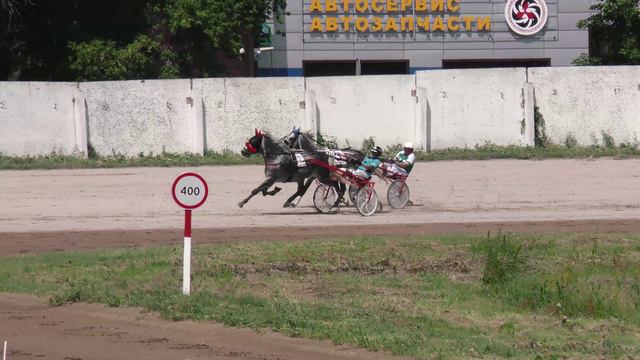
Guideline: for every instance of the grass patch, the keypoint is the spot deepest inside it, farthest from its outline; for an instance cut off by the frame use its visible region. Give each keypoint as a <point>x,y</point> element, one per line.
<point>55,161</point>
<point>490,151</point>
<point>480,152</point>
<point>515,296</point>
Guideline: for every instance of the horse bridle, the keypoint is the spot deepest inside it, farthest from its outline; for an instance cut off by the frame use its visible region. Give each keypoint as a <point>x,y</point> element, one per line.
<point>251,148</point>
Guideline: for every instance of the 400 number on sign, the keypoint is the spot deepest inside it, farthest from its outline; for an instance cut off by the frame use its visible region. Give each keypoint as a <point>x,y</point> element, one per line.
<point>190,191</point>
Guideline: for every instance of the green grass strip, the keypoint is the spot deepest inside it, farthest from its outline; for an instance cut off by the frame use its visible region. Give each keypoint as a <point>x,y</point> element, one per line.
<point>483,152</point>
<point>516,296</point>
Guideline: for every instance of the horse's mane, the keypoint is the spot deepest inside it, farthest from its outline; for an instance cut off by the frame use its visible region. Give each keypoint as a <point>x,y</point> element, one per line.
<point>270,144</point>
<point>309,135</point>
<point>307,142</point>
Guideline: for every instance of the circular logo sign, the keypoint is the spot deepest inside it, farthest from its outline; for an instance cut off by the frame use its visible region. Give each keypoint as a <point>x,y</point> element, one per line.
<point>526,17</point>
<point>190,190</point>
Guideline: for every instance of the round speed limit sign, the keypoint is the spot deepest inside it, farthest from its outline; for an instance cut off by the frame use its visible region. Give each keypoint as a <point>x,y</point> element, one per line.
<point>190,190</point>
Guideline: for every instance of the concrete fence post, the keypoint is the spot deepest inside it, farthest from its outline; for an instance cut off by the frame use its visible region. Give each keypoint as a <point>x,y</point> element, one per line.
<point>80,121</point>
<point>529,115</point>
<point>198,121</point>
<point>423,120</point>
<point>311,112</point>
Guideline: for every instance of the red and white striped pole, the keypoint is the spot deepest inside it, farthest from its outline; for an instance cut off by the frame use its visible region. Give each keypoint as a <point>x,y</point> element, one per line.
<point>189,191</point>
<point>186,258</point>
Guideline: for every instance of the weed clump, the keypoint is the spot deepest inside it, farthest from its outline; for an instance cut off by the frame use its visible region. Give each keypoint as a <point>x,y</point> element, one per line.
<point>608,141</point>
<point>503,260</point>
<point>570,141</point>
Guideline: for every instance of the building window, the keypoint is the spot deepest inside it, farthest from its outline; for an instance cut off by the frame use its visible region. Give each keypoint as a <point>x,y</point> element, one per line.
<point>355,67</point>
<point>384,67</point>
<point>493,63</point>
<point>329,68</point>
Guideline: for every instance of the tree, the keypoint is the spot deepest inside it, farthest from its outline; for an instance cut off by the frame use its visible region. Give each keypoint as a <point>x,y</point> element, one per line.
<point>227,25</point>
<point>224,22</point>
<point>11,22</point>
<point>129,39</point>
<point>39,39</point>
<point>615,33</point>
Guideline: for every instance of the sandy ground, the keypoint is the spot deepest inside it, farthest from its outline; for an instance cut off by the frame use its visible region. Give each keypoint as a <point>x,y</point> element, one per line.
<point>35,330</point>
<point>64,210</point>
<point>457,191</point>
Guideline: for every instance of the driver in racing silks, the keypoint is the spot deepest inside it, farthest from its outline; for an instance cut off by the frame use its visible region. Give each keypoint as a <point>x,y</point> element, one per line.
<point>365,169</point>
<point>370,164</point>
<point>402,163</point>
<point>405,159</point>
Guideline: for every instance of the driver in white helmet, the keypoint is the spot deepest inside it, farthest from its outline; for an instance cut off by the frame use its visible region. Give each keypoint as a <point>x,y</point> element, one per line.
<point>406,158</point>
<point>404,161</point>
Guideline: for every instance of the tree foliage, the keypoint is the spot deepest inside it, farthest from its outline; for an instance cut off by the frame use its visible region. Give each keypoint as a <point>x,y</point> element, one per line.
<point>615,27</point>
<point>125,39</point>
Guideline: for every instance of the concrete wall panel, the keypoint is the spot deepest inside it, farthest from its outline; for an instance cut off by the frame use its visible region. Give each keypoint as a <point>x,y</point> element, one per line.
<point>587,102</point>
<point>37,118</point>
<point>357,107</point>
<point>133,117</point>
<point>470,107</point>
<point>234,107</point>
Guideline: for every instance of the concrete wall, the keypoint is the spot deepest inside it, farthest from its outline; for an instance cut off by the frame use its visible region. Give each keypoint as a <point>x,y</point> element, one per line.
<point>357,107</point>
<point>435,109</point>
<point>234,107</point>
<point>585,102</point>
<point>132,117</point>
<point>474,106</point>
<point>38,118</point>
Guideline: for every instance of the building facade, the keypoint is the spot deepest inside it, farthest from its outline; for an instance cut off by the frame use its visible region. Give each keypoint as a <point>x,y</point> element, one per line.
<point>362,37</point>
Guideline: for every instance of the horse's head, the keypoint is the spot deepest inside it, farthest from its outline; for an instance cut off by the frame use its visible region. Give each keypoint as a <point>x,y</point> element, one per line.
<point>302,140</point>
<point>253,145</point>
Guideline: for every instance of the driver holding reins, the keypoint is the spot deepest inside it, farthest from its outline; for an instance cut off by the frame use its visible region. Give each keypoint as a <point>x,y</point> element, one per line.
<point>406,158</point>
<point>370,164</point>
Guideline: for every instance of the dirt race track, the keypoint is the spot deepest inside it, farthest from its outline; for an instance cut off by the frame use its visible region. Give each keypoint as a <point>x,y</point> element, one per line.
<point>63,210</point>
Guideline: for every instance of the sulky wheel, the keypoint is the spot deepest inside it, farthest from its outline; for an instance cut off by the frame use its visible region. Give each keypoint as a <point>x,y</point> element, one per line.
<point>367,201</point>
<point>353,192</point>
<point>324,198</point>
<point>398,194</point>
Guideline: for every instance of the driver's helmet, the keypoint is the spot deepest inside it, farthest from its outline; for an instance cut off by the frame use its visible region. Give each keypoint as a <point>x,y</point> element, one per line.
<point>376,151</point>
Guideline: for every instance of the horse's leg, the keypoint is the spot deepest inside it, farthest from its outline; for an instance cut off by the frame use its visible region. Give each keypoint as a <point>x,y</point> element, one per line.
<point>340,189</point>
<point>262,188</point>
<point>272,192</point>
<point>302,189</point>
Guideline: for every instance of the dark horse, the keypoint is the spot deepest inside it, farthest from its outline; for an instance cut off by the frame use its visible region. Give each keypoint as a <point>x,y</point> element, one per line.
<point>281,164</point>
<point>341,158</point>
